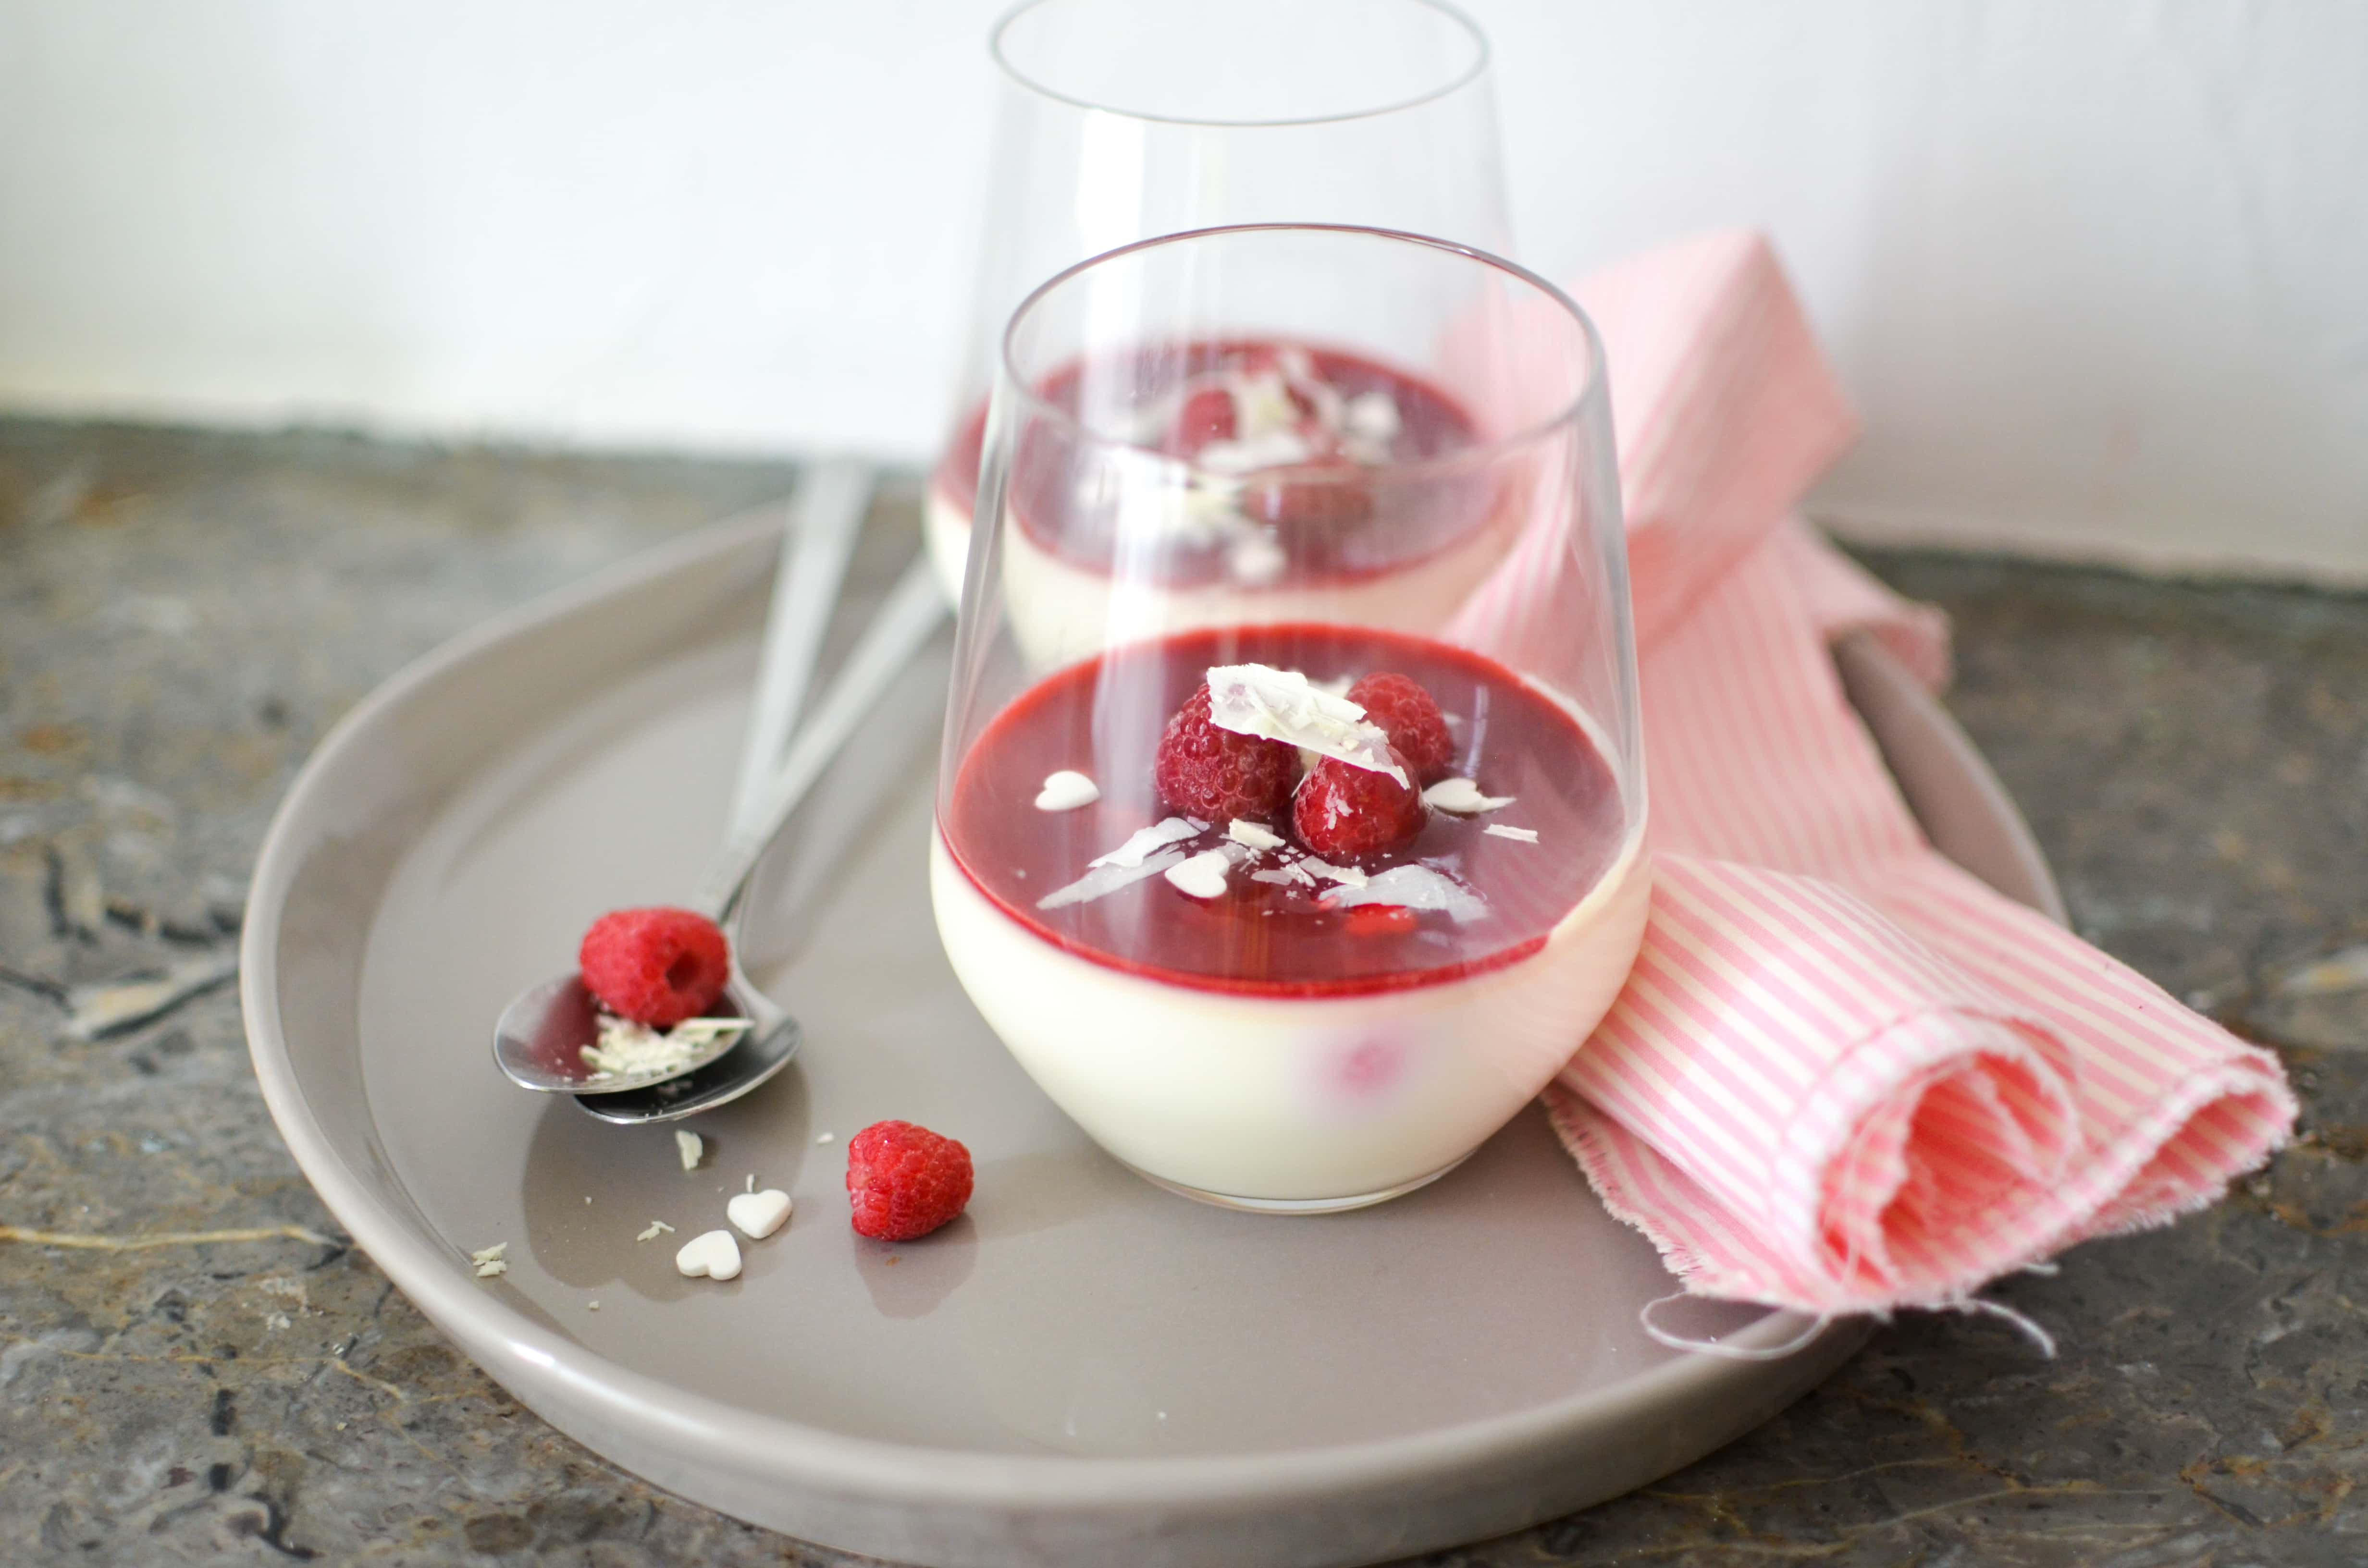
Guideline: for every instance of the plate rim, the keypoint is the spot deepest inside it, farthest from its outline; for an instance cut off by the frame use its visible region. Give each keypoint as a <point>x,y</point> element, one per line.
<point>722,1438</point>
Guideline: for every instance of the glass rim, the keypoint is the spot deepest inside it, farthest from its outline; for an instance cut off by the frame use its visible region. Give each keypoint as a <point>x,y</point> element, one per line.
<point>1414,470</point>
<point>1478,69</point>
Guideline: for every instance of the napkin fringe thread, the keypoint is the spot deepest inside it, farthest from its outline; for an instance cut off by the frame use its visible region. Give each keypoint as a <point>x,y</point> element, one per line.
<point>2029,1327</point>
<point>1561,1111</point>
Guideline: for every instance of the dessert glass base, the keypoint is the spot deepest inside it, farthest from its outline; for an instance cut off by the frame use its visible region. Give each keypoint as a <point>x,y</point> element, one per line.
<point>1297,1204</point>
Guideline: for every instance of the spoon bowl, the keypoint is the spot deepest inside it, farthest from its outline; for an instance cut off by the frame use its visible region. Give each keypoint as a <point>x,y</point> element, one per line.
<point>759,1053</point>
<point>538,1043</point>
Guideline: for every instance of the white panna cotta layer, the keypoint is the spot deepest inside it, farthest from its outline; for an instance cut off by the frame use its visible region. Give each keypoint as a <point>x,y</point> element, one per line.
<point>1283,1099</point>
<point>1061,612</point>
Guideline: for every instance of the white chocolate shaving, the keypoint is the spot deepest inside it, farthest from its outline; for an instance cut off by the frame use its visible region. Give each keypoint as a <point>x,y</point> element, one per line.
<point>1103,881</point>
<point>1276,448</point>
<point>626,1048</point>
<point>1373,415</point>
<point>1463,797</point>
<point>1257,559</point>
<point>690,1146</point>
<point>1519,834</point>
<point>1283,705</point>
<point>1415,887</point>
<point>1263,406</point>
<point>1142,842</point>
<point>1253,836</point>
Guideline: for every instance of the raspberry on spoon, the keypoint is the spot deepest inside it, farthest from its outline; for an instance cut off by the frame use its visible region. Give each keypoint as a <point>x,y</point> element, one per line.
<point>655,966</point>
<point>1346,813</point>
<point>904,1181</point>
<point>1214,774</point>
<point>1409,716</point>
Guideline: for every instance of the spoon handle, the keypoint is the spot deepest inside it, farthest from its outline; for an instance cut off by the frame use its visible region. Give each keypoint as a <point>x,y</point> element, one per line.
<point>825,516</point>
<point>914,607</point>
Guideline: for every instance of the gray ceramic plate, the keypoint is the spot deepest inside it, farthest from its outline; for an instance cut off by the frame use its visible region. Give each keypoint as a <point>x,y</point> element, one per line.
<point>1083,1370</point>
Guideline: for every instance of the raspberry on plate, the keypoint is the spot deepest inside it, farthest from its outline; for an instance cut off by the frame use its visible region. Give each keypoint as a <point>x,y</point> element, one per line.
<point>904,1181</point>
<point>1214,775</point>
<point>1344,811</point>
<point>655,966</point>
<point>1409,716</point>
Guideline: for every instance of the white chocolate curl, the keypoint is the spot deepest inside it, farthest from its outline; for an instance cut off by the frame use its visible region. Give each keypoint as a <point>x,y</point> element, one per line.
<point>1284,705</point>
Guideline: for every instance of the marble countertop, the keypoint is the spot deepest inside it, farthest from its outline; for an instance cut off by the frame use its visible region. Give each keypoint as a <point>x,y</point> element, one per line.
<point>188,1372</point>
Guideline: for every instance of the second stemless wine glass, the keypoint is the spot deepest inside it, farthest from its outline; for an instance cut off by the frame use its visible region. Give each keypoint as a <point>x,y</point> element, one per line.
<point>1291,818</point>
<point>1118,121</point>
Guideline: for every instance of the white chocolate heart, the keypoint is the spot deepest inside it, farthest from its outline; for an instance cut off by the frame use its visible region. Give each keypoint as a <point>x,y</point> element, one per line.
<point>714,1255</point>
<point>759,1213</point>
<point>1066,792</point>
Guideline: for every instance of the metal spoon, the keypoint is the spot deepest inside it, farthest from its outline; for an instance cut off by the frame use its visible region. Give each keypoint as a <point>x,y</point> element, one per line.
<point>539,1039</point>
<point>538,1042</point>
<point>899,630</point>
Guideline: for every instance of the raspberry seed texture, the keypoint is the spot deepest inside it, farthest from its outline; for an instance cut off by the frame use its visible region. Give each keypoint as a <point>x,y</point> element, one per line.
<point>1410,717</point>
<point>1212,774</point>
<point>1346,813</point>
<point>655,966</point>
<point>903,1181</point>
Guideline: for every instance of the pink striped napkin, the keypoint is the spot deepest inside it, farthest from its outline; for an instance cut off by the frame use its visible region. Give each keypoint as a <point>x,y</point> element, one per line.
<point>1844,1076</point>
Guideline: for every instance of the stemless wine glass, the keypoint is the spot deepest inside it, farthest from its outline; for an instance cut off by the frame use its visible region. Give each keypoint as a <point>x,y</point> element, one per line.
<point>1117,121</point>
<point>1291,814</point>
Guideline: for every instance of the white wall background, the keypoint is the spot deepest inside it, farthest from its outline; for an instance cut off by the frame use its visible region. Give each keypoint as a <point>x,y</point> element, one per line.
<point>2097,272</point>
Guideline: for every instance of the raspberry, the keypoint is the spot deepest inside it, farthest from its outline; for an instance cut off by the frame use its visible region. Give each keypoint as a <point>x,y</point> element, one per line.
<point>655,966</point>
<point>1380,920</point>
<point>1214,774</point>
<point>1314,503</point>
<point>904,1181</point>
<point>1412,720</point>
<point>1207,416</point>
<point>1349,812</point>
